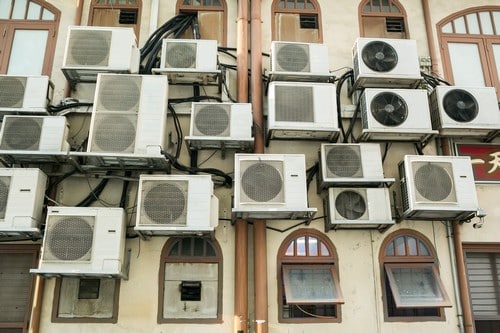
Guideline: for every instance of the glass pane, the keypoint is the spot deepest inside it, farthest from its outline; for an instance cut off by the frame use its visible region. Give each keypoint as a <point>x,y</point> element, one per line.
<point>19,10</point>
<point>473,24</point>
<point>496,55</point>
<point>198,247</point>
<point>367,8</point>
<point>290,4</point>
<point>447,28</point>
<point>496,18</point>
<point>324,250</point>
<point>281,4</point>
<point>48,15</point>
<point>307,285</point>
<point>460,26</point>
<point>385,6</point>
<point>486,23</point>
<point>186,2</point>
<point>301,4</point>
<point>376,5</point>
<point>395,9</point>
<point>389,249</point>
<point>28,52</point>
<point>4,9</point>
<point>186,247</point>
<point>424,251</point>
<point>412,246</point>
<point>301,246</point>
<point>313,246</point>
<point>399,244</point>
<point>217,3</point>
<point>34,11</point>
<point>466,64</point>
<point>309,5</point>
<point>289,251</point>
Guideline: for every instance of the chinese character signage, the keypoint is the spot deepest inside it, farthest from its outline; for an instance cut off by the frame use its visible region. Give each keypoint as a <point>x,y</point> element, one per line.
<point>485,160</point>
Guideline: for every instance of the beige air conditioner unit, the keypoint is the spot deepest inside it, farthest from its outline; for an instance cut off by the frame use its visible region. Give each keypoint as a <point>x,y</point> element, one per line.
<point>24,94</point>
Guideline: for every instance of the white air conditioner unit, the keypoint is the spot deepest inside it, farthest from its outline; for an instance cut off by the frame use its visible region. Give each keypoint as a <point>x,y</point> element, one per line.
<point>384,62</point>
<point>83,241</point>
<point>22,193</point>
<point>270,186</point>
<point>25,139</point>
<point>294,61</point>
<point>437,188</point>
<point>395,115</point>
<point>91,50</point>
<point>358,208</point>
<point>465,111</point>
<point>301,110</point>
<point>176,205</point>
<point>220,126</point>
<point>351,164</point>
<point>23,94</point>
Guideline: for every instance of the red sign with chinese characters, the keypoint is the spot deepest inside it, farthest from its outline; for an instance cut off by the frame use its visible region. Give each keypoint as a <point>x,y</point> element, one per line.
<point>485,160</point>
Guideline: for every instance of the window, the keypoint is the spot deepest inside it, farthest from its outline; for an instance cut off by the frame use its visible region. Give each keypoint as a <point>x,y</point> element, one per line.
<point>211,15</point>
<point>191,281</point>
<point>29,32</point>
<point>470,44</point>
<point>483,273</point>
<point>16,286</point>
<point>411,284</point>
<point>308,280</point>
<point>383,19</point>
<point>116,13</point>
<point>86,300</point>
<point>297,21</point>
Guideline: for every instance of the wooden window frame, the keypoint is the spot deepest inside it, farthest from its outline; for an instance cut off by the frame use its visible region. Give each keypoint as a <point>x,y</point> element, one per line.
<point>307,12</point>
<point>374,14</point>
<point>138,6</point>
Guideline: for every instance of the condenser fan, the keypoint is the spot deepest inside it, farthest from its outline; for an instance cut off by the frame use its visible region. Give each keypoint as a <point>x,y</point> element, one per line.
<point>89,48</point>
<point>21,133</point>
<point>262,182</point>
<point>70,238</point>
<point>379,56</point>
<point>389,109</point>
<point>460,105</point>
<point>433,182</point>
<point>119,93</point>
<point>12,91</point>
<point>350,205</point>
<point>181,55</point>
<point>165,203</point>
<point>212,120</point>
<point>293,58</point>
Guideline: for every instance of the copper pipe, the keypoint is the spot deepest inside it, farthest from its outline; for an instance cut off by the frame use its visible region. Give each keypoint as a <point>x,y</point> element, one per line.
<point>430,36</point>
<point>260,275</point>
<point>242,51</point>
<point>36,311</point>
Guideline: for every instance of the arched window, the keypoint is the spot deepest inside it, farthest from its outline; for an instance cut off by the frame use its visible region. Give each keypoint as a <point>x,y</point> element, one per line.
<point>116,13</point>
<point>470,44</point>
<point>29,32</point>
<point>191,281</point>
<point>411,284</point>
<point>383,18</point>
<point>308,280</point>
<point>212,19</point>
<point>297,21</point>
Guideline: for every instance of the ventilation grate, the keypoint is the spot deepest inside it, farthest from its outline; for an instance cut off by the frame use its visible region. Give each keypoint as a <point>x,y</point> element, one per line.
<point>128,16</point>
<point>89,48</point>
<point>434,181</point>
<point>69,238</point>
<point>4,195</point>
<point>344,161</point>
<point>21,133</point>
<point>12,91</point>
<point>262,181</point>
<point>294,104</point>
<point>114,133</point>
<point>293,58</point>
<point>212,120</point>
<point>180,55</point>
<point>119,93</point>
<point>165,202</point>
<point>394,25</point>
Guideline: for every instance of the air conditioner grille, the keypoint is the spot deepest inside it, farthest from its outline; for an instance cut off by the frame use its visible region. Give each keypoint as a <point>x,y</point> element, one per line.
<point>21,133</point>
<point>180,55</point>
<point>89,48</point>
<point>4,194</point>
<point>350,205</point>
<point>69,238</point>
<point>212,120</point>
<point>114,133</point>
<point>379,56</point>
<point>344,161</point>
<point>434,181</point>
<point>262,181</point>
<point>295,104</point>
<point>165,203</point>
<point>460,105</point>
<point>12,91</point>
<point>117,93</point>
<point>293,58</point>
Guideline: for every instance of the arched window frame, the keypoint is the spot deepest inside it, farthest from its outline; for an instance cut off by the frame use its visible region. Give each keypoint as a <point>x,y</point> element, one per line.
<point>325,257</point>
<point>207,257</point>
<point>416,252</point>
<point>315,11</point>
<point>112,5</point>
<point>376,13</point>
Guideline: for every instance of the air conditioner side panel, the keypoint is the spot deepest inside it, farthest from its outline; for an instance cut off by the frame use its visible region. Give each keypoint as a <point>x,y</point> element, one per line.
<point>199,204</point>
<point>124,53</point>
<point>371,160</point>
<point>35,96</point>
<point>109,243</point>
<point>379,204</point>
<point>241,121</point>
<point>206,55</point>
<point>318,54</point>
<point>54,134</point>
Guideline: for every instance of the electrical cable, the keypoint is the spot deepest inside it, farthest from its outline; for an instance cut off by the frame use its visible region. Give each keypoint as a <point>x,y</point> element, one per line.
<point>347,75</point>
<point>94,194</point>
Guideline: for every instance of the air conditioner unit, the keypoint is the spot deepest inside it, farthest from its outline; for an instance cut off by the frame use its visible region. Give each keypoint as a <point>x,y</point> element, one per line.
<point>25,139</point>
<point>358,208</point>
<point>23,94</point>
<point>302,111</point>
<point>384,62</point>
<point>465,111</point>
<point>395,115</point>
<point>437,188</point>
<point>22,193</point>
<point>92,50</point>
<point>351,164</point>
<point>293,61</point>
<point>270,186</point>
<point>83,241</point>
<point>176,205</point>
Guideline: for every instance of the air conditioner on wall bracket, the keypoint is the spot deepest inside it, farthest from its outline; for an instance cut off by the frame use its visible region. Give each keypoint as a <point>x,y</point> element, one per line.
<point>437,188</point>
<point>21,202</point>
<point>33,139</point>
<point>92,50</point>
<point>128,124</point>
<point>23,94</point>
<point>83,241</point>
<point>465,111</point>
<point>383,62</point>
<point>302,110</point>
<point>293,61</point>
<point>176,205</point>
<point>358,208</point>
<point>351,164</point>
<point>270,186</point>
<point>221,126</point>
<point>395,115</point>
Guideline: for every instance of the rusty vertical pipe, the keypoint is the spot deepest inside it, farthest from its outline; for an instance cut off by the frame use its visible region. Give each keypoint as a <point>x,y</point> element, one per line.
<point>242,51</point>
<point>430,36</point>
